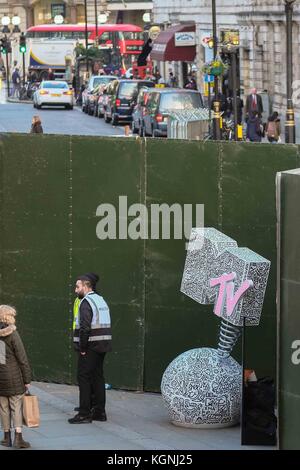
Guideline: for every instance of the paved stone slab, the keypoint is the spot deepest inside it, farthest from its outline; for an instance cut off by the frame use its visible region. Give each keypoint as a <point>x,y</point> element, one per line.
<point>136,421</point>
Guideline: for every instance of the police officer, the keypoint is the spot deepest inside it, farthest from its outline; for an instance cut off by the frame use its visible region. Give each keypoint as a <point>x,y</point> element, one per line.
<point>92,339</point>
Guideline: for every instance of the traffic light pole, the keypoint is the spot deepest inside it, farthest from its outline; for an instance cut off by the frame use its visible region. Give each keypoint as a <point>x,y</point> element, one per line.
<point>290,130</point>
<point>7,74</point>
<point>86,36</point>
<point>23,59</point>
<point>216,103</point>
<point>96,21</point>
<point>234,92</point>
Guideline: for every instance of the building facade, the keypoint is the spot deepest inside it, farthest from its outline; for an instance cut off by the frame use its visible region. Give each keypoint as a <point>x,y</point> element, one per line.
<point>34,12</point>
<point>262,44</point>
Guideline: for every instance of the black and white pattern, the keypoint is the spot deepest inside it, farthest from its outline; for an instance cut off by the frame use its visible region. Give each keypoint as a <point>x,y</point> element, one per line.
<point>211,254</point>
<point>201,389</point>
<point>205,246</point>
<point>246,264</point>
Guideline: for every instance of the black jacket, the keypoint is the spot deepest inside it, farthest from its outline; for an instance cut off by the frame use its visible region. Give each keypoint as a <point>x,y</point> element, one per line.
<point>249,105</point>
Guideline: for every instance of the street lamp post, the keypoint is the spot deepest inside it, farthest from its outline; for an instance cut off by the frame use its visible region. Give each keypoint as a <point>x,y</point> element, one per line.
<point>234,91</point>
<point>5,21</point>
<point>216,103</point>
<point>86,36</point>
<point>290,117</point>
<point>96,21</point>
<point>231,49</point>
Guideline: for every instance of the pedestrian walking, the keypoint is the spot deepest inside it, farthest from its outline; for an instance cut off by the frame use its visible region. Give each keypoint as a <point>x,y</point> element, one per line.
<point>172,81</point>
<point>15,378</point>
<point>32,76</point>
<point>36,125</point>
<point>190,83</point>
<point>92,340</point>
<point>273,129</point>
<point>50,75</point>
<point>239,106</point>
<point>254,128</point>
<point>16,82</point>
<point>254,104</point>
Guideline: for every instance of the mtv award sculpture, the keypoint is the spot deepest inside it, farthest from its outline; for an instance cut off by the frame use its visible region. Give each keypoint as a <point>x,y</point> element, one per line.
<point>203,387</point>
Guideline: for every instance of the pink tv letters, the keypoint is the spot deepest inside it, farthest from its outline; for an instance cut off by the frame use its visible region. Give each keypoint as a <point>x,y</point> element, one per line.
<point>226,293</point>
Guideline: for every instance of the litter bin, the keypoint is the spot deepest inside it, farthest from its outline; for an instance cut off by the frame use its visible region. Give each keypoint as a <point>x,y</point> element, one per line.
<point>259,421</point>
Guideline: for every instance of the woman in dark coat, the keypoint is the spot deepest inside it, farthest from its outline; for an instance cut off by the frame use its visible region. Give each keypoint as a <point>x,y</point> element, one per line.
<point>15,378</point>
<point>36,126</point>
<point>254,128</point>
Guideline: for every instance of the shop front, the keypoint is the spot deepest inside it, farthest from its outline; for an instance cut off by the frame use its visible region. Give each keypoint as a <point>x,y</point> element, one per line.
<point>175,50</point>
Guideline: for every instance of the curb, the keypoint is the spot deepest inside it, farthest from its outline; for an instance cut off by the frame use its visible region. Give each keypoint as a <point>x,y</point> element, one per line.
<point>15,100</point>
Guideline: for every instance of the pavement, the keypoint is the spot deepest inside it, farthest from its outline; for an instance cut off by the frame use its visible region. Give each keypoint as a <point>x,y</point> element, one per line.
<point>136,421</point>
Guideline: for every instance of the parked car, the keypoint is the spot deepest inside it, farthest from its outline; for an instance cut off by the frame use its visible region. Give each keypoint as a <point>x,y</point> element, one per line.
<point>92,97</point>
<point>53,93</point>
<point>94,81</point>
<point>138,111</point>
<point>102,101</point>
<point>163,101</point>
<point>122,95</point>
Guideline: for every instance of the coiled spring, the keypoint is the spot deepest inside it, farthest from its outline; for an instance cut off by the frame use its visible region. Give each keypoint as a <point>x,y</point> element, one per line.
<point>228,336</point>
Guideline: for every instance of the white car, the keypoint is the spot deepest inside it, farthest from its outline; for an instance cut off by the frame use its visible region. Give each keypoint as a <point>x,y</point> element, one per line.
<point>53,93</point>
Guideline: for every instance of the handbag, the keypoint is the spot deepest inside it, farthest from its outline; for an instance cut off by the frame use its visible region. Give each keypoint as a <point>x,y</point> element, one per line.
<point>31,411</point>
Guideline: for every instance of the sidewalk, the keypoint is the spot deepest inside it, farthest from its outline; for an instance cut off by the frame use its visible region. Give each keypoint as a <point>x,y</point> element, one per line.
<point>136,421</point>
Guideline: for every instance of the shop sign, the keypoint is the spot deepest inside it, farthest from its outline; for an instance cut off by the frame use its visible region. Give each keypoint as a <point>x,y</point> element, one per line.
<point>229,36</point>
<point>185,39</point>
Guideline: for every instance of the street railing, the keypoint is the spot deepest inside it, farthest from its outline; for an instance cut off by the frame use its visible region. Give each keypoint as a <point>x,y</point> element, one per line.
<point>192,124</point>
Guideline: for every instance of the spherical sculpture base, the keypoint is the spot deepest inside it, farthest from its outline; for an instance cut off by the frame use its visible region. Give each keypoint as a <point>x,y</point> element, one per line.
<point>203,390</point>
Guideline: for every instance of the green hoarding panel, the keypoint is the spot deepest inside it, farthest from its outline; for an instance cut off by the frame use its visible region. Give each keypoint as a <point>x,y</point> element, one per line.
<point>248,215</point>
<point>51,189</point>
<point>103,170</point>
<point>34,248</point>
<point>177,173</point>
<point>288,194</point>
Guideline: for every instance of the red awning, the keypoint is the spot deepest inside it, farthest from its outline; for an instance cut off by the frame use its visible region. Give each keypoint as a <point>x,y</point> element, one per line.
<point>164,48</point>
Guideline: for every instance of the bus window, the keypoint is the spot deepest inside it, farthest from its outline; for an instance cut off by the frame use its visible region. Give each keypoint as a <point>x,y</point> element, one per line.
<point>67,34</point>
<point>132,36</point>
<point>79,34</point>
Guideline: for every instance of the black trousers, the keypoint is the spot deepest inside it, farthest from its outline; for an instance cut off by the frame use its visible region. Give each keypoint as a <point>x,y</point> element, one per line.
<point>91,382</point>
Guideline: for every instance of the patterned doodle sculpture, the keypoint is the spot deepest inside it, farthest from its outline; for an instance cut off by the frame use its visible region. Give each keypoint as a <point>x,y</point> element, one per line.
<point>202,387</point>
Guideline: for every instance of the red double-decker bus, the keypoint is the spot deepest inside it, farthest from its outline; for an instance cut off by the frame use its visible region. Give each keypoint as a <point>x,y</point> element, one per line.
<point>50,44</point>
<point>127,38</point>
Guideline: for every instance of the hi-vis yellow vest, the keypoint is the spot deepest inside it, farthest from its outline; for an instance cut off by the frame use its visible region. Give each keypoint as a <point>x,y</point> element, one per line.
<point>75,311</point>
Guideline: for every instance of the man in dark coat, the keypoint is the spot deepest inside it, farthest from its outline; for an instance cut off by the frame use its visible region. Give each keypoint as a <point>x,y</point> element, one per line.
<point>92,339</point>
<point>15,378</point>
<point>254,104</point>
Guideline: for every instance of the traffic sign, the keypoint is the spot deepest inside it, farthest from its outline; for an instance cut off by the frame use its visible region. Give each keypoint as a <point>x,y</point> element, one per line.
<point>209,78</point>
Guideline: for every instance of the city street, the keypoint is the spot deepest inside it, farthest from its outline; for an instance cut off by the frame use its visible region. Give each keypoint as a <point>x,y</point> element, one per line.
<point>15,117</point>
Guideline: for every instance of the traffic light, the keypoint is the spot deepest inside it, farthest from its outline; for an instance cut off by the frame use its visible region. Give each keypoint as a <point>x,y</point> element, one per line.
<point>4,45</point>
<point>22,44</point>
